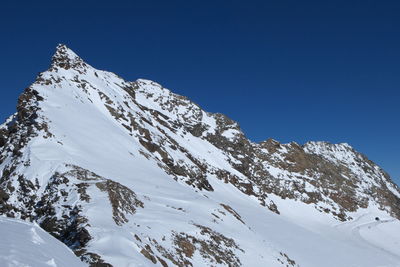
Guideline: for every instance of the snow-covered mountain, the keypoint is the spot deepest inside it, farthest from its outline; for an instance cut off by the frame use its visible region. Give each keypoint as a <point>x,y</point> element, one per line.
<point>131,174</point>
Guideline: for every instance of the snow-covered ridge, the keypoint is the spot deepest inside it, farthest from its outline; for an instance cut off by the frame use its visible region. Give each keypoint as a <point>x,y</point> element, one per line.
<point>131,173</point>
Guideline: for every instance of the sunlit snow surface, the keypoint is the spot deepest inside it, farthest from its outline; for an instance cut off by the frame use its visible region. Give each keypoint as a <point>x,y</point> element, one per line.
<point>88,136</point>
<point>24,244</point>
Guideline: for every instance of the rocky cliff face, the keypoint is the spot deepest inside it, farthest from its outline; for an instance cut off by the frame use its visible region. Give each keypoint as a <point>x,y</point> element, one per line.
<point>98,161</point>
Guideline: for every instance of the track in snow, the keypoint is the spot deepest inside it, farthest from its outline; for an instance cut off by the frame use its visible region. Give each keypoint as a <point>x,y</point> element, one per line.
<point>356,233</point>
<point>362,223</point>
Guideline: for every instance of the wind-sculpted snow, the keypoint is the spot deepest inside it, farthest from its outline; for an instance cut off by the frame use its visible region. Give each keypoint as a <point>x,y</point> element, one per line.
<point>129,173</point>
<point>26,244</point>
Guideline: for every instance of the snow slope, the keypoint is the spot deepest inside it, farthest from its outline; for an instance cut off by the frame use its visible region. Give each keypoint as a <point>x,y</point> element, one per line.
<point>131,174</point>
<point>26,244</point>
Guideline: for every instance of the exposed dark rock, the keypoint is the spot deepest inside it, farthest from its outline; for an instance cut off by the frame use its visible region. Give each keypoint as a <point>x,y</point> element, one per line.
<point>286,261</point>
<point>233,212</point>
<point>3,138</point>
<point>65,60</point>
<point>216,247</point>
<point>123,200</point>
<point>92,259</point>
<point>148,253</point>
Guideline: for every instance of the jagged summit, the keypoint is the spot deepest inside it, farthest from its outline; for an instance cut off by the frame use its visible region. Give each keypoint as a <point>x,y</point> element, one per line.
<point>96,160</point>
<point>66,58</point>
<point>64,53</point>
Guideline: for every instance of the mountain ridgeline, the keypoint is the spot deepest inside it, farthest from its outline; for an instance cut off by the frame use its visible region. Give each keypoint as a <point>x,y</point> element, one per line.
<point>131,173</point>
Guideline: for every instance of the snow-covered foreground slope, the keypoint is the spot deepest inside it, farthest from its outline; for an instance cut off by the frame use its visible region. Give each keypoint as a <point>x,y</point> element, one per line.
<point>130,174</point>
<point>26,244</point>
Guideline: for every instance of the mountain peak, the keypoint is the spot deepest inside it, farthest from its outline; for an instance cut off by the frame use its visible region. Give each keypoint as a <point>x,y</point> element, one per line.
<point>65,58</point>
<point>91,157</point>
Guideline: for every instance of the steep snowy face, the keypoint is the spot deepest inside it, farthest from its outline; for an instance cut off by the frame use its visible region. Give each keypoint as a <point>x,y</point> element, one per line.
<point>131,173</point>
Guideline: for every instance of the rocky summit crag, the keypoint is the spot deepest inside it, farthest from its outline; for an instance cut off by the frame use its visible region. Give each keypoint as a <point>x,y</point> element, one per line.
<point>131,174</point>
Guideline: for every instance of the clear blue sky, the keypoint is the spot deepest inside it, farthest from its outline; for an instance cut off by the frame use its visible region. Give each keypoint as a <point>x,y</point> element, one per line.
<point>290,70</point>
